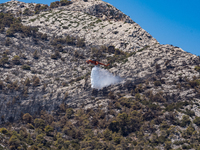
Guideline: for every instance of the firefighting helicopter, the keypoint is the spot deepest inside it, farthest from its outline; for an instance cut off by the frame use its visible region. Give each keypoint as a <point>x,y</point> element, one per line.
<point>95,62</point>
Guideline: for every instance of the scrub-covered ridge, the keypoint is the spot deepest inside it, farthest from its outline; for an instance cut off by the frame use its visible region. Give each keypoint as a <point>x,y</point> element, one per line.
<point>50,98</point>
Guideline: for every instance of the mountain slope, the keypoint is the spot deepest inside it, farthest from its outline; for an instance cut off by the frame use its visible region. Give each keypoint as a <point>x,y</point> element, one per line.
<point>43,55</point>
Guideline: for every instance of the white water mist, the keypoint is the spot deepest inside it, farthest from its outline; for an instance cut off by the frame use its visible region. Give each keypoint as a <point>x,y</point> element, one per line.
<point>101,78</point>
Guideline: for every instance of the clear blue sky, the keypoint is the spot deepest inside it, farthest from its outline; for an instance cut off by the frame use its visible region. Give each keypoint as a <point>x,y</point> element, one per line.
<point>175,22</point>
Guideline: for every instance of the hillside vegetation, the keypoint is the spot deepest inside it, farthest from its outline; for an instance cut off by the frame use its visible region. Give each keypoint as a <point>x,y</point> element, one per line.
<point>46,99</point>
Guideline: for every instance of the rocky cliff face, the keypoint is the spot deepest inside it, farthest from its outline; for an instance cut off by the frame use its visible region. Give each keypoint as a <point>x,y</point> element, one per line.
<point>97,22</point>
<point>47,68</point>
<point>43,72</point>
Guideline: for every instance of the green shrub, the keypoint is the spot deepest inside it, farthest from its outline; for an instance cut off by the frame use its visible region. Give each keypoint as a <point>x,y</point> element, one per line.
<point>184,146</point>
<point>29,31</point>
<point>1,29</point>
<point>10,33</point>
<point>164,125</point>
<point>14,141</point>
<point>26,67</point>
<point>35,54</point>
<point>157,83</point>
<point>65,27</point>
<point>66,95</point>
<point>4,60</point>
<point>120,56</point>
<point>27,82</point>
<point>80,42</point>
<point>39,123</point>
<point>53,56</point>
<point>189,112</point>
<point>190,129</point>
<point>23,56</point>
<point>44,36</point>
<point>185,121</point>
<point>177,106</point>
<point>44,7</point>
<point>118,52</point>
<point>62,58</point>
<point>168,145</point>
<point>27,118</point>
<point>29,140</point>
<point>138,96</point>
<point>197,68</point>
<point>66,144</point>
<point>123,124</point>
<point>75,144</point>
<point>56,55</point>
<point>59,143</point>
<point>53,5</point>
<point>197,121</point>
<point>7,19</point>
<point>1,85</point>
<point>139,89</point>
<point>27,12</point>
<point>170,107</point>
<point>157,66</point>
<point>78,55</point>
<point>48,129</point>
<point>70,130</point>
<point>40,140</point>
<point>194,83</point>
<point>116,138</point>
<point>4,130</point>
<point>36,81</point>
<point>107,135</point>
<point>65,2</point>
<point>37,12</point>
<point>8,42</point>
<point>37,7</point>
<point>127,102</point>
<point>69,113</point>
<point>59,47</point>
<point>44,87</point>
<point>22,134</point>
<point>111,49</point>
<point>54,42</point>
<point>70,40</point>
<point>33,147</point>
<point>16,60</point>
<point>30,126</point>
<point>115,32</point>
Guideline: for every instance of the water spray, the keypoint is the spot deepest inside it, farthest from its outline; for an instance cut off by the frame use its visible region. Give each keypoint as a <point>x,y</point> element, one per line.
<point>102,78</point>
